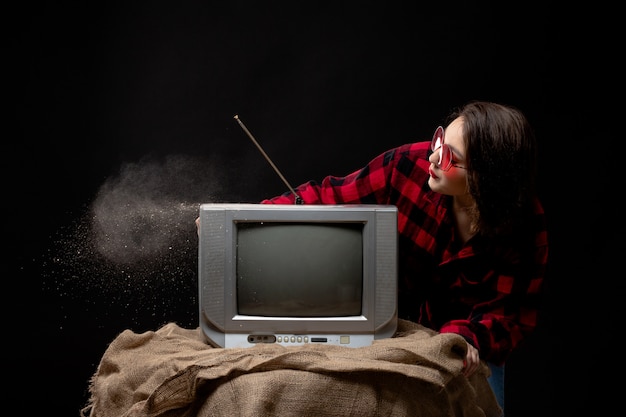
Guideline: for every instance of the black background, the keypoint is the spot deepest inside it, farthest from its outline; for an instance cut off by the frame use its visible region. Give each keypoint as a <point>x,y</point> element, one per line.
<point>125,107</point>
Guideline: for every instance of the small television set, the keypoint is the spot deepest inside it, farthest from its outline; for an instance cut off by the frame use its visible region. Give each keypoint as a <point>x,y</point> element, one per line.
<point>297,274</point>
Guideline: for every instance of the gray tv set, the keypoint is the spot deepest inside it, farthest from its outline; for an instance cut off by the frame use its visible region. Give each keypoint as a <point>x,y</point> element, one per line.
<point>297,274</point>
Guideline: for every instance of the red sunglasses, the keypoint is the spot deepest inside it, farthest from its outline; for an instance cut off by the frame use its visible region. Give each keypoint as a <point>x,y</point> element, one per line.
<point>446,157</point>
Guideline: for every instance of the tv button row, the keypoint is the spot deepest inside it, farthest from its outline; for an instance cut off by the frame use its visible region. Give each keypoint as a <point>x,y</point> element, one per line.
<point>292,339</point>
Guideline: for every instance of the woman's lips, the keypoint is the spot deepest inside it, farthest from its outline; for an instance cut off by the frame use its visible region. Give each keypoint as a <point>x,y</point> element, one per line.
<point>432,173</point>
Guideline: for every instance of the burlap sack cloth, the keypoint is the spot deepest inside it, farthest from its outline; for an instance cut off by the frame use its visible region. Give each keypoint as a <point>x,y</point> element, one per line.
<point>173,372</point>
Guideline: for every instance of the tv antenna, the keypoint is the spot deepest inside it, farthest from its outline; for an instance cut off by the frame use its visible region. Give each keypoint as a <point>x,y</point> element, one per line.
<point>298,199</point>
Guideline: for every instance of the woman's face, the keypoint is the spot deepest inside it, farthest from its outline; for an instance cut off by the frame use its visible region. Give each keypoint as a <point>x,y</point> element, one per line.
<point>453,181</point>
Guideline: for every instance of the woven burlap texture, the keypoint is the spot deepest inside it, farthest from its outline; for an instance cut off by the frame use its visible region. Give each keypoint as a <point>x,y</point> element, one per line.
<point>172,372</point>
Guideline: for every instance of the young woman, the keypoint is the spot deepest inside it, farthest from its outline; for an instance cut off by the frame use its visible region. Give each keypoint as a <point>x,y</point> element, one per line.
<point>472,233</point>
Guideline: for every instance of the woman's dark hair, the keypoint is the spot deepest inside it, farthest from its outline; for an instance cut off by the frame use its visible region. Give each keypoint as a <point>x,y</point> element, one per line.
<point>501,154</point>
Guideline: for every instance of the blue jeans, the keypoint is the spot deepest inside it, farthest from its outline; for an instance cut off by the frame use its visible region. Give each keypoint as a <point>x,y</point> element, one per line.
<point>496,381</point>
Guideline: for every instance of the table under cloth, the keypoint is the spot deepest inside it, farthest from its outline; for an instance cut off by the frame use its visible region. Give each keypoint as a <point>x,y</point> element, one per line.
<point>173,372</point>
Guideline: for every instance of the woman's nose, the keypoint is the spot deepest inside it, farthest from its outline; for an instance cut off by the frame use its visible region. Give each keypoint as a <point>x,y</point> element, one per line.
<point>433,157</point>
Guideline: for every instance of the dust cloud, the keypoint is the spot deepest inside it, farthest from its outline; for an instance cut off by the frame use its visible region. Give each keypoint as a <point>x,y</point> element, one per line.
<point>135,244</point>
<point>145,212</point>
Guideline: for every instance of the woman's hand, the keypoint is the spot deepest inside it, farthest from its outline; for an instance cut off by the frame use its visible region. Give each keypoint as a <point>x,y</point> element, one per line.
<point>472,361</point>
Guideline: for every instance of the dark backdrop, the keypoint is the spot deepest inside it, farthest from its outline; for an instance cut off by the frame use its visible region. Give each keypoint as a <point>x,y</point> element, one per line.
<point>125,124</point>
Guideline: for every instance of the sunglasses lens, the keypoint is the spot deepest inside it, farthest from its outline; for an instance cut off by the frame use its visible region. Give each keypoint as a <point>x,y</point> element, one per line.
<point>437,139</point>
<point>445,157</point>
<point>445,154</point>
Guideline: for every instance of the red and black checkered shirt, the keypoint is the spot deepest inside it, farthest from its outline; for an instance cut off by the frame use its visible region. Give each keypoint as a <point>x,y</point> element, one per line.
<point>484,291</point>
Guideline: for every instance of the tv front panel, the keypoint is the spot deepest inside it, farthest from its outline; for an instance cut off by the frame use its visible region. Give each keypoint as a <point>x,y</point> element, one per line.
<point>220,286</point>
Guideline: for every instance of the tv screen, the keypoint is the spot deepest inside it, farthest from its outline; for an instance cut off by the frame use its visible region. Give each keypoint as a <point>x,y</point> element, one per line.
<point>317,273</point>
<point>296,274</point>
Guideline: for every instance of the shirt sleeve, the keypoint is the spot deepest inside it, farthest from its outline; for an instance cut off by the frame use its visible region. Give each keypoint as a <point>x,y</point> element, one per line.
<point>497,324</point>
<point>369,185</point>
